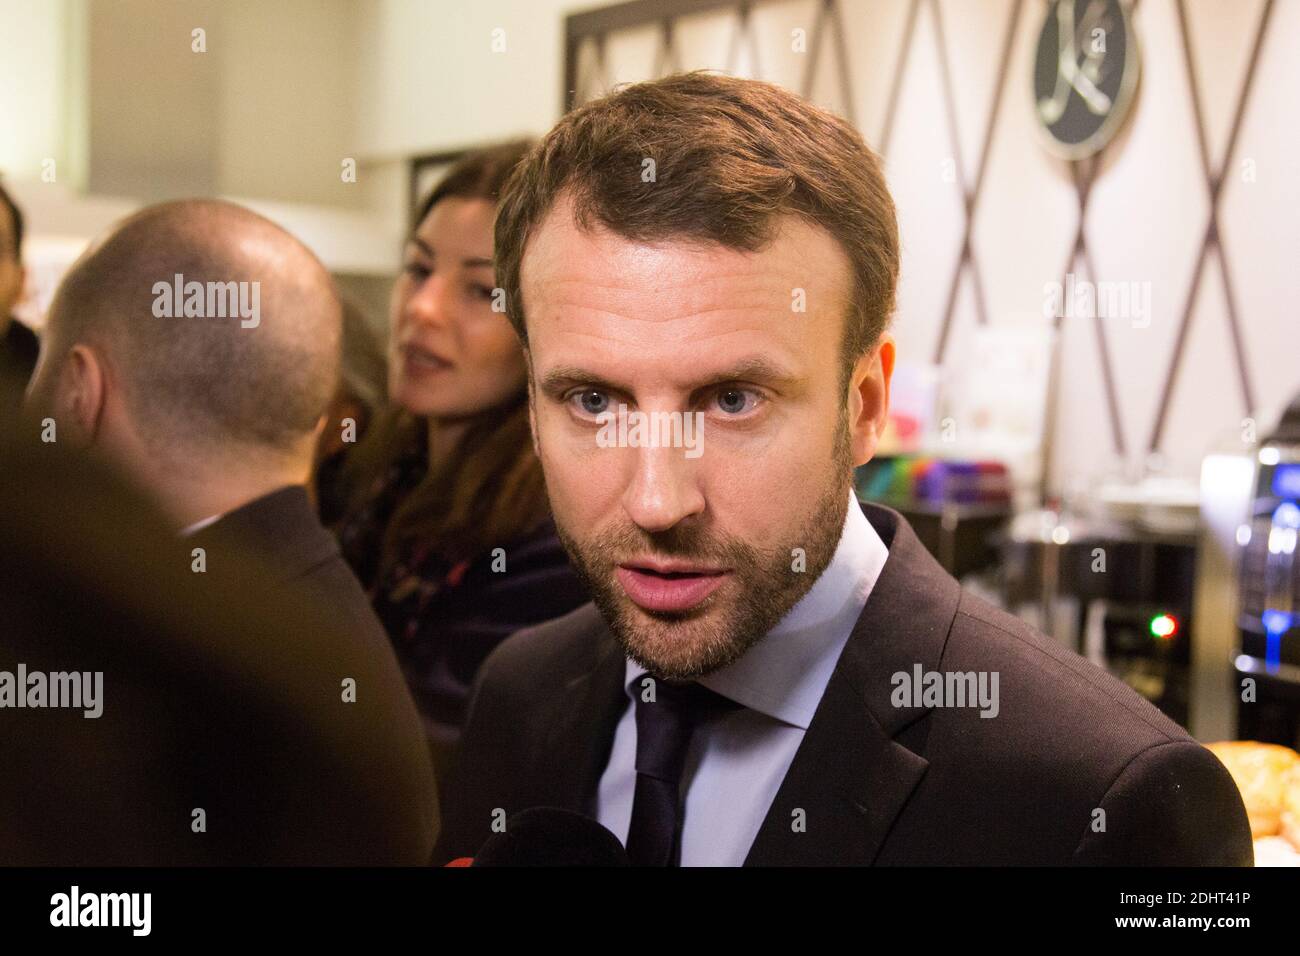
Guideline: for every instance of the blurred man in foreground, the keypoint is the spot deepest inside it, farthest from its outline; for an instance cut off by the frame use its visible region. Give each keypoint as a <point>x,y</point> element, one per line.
<point>217,733</point>
<point>195,348</point>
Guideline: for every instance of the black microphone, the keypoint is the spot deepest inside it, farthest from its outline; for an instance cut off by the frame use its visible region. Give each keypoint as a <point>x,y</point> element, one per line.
<point>550,836</point>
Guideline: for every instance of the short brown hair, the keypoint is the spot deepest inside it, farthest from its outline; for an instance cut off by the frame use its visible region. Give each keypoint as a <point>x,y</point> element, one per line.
<point>731,157</point>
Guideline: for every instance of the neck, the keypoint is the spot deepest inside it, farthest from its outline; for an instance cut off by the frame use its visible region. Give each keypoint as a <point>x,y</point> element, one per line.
<point>194,480</point>
<point>444,436</point>
<point>192,494</point>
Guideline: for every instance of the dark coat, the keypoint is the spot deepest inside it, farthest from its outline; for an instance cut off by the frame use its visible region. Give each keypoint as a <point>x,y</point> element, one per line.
<point>884,784</point>
<point>444,618</point>
<point>222,690</point>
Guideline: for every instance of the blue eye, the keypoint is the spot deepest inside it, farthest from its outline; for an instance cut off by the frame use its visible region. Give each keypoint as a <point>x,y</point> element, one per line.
<point>592,401</point>
<point>734,401</point>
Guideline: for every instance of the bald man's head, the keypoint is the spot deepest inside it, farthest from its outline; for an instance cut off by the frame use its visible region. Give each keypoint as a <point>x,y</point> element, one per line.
<point>220,330</point>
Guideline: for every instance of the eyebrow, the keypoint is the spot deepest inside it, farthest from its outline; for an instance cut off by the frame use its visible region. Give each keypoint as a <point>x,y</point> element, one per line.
<point>755,368</point>
<point>470,261</point>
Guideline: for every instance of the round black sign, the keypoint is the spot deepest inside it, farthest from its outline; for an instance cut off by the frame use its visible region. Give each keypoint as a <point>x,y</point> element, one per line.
<point>1085,74</point>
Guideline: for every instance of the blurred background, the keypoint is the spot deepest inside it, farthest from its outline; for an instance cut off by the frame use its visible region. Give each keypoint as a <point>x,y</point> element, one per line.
<point>1096,324</point>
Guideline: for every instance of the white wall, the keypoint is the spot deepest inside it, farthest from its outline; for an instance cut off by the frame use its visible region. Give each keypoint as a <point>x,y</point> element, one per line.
<point>302,85</point>
<point>289,99</point>
<point>33,92</point>
<point>306,83</point>
<point>430,80</point>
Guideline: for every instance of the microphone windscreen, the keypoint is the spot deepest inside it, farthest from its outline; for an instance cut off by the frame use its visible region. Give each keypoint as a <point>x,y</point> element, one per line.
<point>550,836</point>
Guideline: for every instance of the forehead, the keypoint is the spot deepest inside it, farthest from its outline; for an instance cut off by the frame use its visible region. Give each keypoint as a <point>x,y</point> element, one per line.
<point>459,223</point>
<point>677,308</point>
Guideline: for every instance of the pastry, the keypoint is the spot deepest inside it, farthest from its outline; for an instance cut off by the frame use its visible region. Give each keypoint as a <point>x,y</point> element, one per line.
<point>1268,776</point>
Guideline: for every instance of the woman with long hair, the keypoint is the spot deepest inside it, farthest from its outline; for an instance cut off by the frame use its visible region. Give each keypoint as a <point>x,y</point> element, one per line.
<point>447,525</point>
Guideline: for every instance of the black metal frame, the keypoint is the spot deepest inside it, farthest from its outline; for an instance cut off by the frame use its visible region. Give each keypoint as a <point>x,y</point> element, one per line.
<point>595,25</point>
<point>418,165</point>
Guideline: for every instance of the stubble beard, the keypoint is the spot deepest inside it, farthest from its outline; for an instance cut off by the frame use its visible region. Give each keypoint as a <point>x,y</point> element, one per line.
<point>762,589</point>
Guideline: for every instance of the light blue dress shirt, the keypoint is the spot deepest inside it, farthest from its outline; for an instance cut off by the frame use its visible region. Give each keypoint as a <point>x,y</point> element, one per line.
<point>735,764</point>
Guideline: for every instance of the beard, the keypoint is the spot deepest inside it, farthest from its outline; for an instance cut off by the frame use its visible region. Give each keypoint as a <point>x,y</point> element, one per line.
<point>762,588</point>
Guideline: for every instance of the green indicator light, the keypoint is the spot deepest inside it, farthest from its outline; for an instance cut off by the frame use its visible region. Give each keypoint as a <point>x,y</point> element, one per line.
<point>1163,625</point>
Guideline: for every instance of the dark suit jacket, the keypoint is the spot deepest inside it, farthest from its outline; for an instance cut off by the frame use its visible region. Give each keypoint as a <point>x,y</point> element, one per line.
<point>881,784</point>
<point>283,531</point>
<point>301,559</point>
<point>221,692</point>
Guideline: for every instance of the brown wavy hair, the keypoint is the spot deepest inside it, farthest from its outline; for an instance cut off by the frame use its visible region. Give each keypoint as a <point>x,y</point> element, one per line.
<point>493,492</point>
<point>732,156</point>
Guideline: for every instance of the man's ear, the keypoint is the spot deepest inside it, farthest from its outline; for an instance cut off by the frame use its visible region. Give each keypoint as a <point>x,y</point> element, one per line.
<point>83,390</point>
<point>869,398</point>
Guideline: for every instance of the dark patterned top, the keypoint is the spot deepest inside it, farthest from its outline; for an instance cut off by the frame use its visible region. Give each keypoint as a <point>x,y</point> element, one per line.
<point>444,618</point>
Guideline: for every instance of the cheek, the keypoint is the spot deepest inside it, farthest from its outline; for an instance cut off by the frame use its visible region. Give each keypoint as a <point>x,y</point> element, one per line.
<point>758,489</point>
<point>495,358</point>
<point>584,481</point>
<point>397,304</point>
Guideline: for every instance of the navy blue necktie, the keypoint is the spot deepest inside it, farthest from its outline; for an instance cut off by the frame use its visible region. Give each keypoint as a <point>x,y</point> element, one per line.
<point>663,734</point>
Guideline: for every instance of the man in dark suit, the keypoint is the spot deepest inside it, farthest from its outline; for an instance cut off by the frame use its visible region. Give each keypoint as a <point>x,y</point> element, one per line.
<point>703,269</point>
<point>195,348</point>
<point>221,731</point>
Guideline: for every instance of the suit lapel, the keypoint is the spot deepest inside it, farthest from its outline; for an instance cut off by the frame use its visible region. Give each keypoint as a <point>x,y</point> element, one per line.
<point>850,778</point>
<point>842,792</point>
<point>580,725</point>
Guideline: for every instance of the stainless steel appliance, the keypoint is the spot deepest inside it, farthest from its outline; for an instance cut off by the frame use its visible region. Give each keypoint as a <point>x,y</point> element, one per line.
<point>1268,655</point>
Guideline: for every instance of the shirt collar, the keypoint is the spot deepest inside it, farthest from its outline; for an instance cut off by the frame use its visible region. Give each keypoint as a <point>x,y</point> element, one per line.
<point>785,674</point>
<point>200,525</point>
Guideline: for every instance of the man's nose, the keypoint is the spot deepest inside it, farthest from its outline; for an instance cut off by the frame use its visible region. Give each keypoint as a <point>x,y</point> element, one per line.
<point>664,488</point>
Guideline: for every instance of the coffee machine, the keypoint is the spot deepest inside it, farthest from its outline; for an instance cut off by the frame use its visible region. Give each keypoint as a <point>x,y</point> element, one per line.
<point>1267,662</point>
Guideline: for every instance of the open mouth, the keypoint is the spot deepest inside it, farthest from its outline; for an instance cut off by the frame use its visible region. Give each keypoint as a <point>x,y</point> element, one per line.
<point>668,588</point>
<point>422,360</point>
